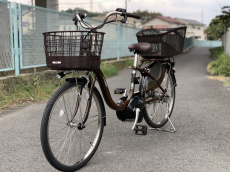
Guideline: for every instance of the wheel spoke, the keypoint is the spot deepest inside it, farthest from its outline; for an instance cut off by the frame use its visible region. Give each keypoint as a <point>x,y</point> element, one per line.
<point>65,143</point>
<point>156,114</point>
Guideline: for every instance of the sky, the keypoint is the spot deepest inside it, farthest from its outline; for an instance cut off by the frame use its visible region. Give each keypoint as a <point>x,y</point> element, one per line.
<point>201,10</point>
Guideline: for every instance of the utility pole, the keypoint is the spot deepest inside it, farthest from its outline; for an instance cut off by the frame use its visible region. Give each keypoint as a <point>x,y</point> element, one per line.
<point>202,15</point>
<point>126,4</point>
<point>91,5</point>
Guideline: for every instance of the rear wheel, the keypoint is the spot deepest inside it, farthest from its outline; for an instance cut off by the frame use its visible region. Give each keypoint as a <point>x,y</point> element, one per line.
<point>156,113</point>
<point>67,142</point>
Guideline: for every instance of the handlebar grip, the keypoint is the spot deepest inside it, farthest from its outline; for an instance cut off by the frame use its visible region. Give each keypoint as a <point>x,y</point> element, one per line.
<point>82,15</point>
<point>132,15</point>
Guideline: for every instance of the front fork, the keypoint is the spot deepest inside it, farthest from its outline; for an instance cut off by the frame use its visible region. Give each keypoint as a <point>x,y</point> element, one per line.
<point>89,86</point>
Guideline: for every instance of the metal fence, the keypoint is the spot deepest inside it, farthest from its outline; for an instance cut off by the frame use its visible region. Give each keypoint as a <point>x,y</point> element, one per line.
<point>203,43</point>
<point>6,37</point>
<point>21,28</point>
<point>33,22</point>
<point>21,40</point>
<point>188,42</point>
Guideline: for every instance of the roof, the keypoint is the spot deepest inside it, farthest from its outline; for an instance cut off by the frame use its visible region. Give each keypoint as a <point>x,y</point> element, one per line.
<point>171,20</point>
<point>191,22</point>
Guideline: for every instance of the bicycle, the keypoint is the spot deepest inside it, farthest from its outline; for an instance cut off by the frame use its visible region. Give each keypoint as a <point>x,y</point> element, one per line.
<point>74,118</point>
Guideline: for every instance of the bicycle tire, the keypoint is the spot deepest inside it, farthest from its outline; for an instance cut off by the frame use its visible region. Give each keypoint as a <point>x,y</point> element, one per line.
<point>156,113</point>
<point>84,142</point>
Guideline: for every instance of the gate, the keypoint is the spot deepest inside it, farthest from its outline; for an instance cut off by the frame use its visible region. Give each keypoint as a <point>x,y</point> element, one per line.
<point>6,37</point>
<point>21,40</point>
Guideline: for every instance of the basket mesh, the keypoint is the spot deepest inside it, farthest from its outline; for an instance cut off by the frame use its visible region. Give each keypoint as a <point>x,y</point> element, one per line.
<point>73,49</point>
<point>165,42</point>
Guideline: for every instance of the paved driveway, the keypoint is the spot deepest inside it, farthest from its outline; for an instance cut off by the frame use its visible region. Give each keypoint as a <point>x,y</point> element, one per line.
<point>201,116</point>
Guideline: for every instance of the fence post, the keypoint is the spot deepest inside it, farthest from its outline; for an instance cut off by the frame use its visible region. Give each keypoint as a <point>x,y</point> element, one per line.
<point>16,52</point>
<point>118,41</point>
<point>228,44</point>
<point>20,34</point>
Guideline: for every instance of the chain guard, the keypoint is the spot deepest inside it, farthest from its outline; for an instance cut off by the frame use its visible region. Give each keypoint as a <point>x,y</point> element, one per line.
<point>127,115</point>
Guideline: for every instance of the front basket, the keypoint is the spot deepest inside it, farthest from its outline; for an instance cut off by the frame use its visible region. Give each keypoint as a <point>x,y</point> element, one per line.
<point>165,42</point>
<point>73,50</point>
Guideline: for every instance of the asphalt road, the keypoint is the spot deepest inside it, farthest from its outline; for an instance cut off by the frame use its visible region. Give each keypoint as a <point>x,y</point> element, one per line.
<point>201,144</point>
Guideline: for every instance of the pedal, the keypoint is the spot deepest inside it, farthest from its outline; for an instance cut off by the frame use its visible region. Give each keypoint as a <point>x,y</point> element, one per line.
<point>140,129</point>
<point>119,90</point>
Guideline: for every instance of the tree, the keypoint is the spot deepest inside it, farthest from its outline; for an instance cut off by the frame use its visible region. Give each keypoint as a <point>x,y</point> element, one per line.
<point>215,29</point>
<point>218,25</point>
<point>145,15</point>
<point>225,17</point>
<point>81,10</point>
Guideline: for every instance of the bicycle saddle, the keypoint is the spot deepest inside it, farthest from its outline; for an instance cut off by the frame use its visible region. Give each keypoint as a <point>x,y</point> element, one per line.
<point>140,47</point>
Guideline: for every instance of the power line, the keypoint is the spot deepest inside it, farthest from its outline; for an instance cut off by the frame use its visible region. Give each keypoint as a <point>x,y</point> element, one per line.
<point>218,3</point>
<point>80,3</point>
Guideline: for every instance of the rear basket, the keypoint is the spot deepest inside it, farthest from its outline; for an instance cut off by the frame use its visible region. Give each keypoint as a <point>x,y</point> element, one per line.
<point>73,50</point>
<point>165,42</point>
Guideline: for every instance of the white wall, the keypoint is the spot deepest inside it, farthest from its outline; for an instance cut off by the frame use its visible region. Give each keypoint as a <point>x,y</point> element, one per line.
<point>196,31</point>
<point>160,23</point>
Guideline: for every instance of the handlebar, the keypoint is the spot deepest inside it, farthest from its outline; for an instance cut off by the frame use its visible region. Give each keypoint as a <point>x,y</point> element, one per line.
<point>132,15</point>
<point>122,12</point>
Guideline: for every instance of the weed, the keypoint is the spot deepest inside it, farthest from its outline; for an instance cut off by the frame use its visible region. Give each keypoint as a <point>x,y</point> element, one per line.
<point>216,52</point>
<point>108,69</point>
<point>40,86</point>
<point>221,66</point>
<point>17,90</point>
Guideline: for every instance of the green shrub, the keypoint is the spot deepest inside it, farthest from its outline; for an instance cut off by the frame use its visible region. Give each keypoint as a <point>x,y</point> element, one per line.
<point>108,69</point>
<point>112,69</point>
<point>125,63</point>
<point>216,52</point>
<point>40,86</point>
<point>17,90</point>
<point>221,66</point>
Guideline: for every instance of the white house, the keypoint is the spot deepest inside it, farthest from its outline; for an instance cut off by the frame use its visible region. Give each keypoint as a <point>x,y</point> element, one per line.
<point>194,28</point>
<point>163,22</point>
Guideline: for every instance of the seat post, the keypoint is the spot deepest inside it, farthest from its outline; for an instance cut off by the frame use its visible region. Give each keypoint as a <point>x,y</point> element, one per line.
<point>135,59</point>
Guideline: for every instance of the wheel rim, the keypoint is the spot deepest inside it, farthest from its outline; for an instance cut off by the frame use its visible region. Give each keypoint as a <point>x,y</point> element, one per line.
<point>70,145</point>
<point>159,111</point>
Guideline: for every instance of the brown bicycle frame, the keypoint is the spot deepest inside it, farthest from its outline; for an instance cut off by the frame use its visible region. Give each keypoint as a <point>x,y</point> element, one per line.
<point>106,93</point>
<point>107,96</point>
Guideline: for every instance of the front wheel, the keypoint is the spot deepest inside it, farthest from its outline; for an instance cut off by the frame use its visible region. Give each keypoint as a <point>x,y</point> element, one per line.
<point>67,142</point>
<point>157,113</point>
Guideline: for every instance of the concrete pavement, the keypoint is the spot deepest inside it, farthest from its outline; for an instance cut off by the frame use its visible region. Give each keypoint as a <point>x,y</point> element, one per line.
<point>201,116</point>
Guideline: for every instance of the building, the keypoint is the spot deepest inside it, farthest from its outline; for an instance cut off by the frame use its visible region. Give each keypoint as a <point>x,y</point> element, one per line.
<point>163,22</point>
<point>194,28</point>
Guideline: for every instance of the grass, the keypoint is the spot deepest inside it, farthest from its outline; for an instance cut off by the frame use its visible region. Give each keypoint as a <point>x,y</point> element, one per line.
<point>18,90</point>
<point>40,86</point>
<point>108,69</point>
<point>221,65</point>
<point>216,52</point>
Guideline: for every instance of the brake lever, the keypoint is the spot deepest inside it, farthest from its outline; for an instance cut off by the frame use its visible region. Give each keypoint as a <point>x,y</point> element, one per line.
<point>124,20</point>
<point>75,20</point>
<point>123,11</point>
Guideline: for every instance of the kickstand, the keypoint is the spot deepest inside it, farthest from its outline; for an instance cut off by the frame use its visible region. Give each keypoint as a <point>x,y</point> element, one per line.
<point>171,130</point>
